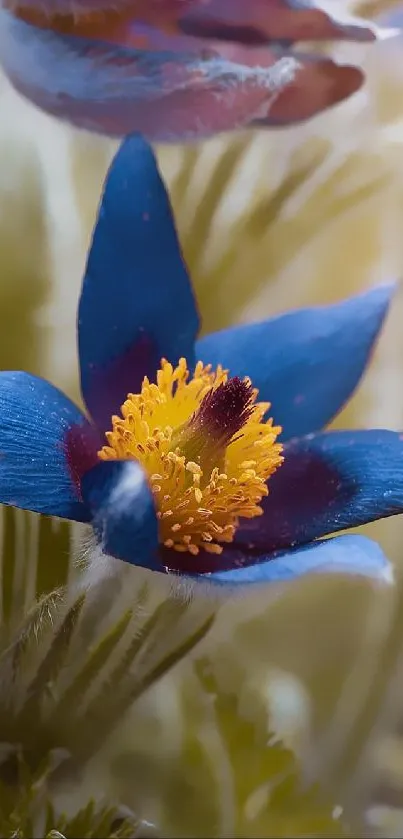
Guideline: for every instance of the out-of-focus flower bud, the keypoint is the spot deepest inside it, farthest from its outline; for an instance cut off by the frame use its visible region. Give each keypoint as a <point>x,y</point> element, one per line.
<point>175,69</point>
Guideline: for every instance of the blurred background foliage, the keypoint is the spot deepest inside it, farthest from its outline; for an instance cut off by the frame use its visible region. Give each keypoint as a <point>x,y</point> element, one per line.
<point>223,717</point>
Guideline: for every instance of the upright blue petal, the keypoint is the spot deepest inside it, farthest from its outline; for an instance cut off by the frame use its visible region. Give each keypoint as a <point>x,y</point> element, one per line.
<point>45,442</point>
<point>308,362</point>
<point>136,304</point>
<point>343,555</point>
<point>123,512</point>
<point>328,482</point>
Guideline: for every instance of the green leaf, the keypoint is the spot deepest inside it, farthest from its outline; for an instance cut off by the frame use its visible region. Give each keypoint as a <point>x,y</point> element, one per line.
<point>55,658</point>
<point>97,659</point>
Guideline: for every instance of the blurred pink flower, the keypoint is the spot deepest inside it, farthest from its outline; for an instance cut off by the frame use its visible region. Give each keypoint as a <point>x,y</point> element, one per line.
<point>175,69</point>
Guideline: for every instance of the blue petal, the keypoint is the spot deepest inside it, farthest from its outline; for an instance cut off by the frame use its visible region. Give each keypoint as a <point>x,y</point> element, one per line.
<point>328,482</point>
<point>344,555</point>
<point>137,304</point>
<point>307,363</point>
<point>123,512</point>
<point>45,443</point>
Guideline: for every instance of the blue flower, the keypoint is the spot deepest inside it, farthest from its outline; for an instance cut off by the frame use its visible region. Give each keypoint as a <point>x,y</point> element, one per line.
<point>177,466</point>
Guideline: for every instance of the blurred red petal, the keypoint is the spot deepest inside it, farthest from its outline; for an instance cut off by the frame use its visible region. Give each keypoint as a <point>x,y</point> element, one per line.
<point>167,85</point>
<point>246,21</point>
<point>320,85</point>
<point>257,21</point>
<point>116,90</point>
<point>165,96</point>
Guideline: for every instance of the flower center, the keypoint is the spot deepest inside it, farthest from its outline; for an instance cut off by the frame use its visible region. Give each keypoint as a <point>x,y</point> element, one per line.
<point>206,448</point>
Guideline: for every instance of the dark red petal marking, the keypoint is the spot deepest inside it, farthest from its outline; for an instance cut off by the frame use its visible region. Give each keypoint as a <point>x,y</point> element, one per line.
<point>224,411</point>
<point>82,443</point>
<point>221,415</point>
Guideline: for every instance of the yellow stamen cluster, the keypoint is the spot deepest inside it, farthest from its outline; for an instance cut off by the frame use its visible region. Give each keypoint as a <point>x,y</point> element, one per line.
<point>197,507</point>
